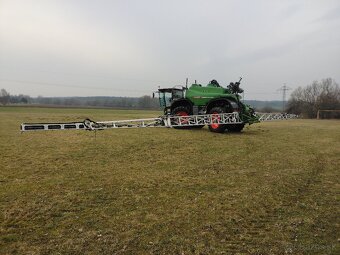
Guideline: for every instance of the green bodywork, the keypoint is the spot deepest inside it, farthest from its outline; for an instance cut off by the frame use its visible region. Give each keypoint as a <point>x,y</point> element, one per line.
<point>248,115</point>
<point>200,95</point>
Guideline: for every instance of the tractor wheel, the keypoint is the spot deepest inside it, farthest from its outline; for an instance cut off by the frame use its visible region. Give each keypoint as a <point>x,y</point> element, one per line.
<point>180,111</point>
<point>215,127</point>
<point>235,128</point>
<point>197,127</point>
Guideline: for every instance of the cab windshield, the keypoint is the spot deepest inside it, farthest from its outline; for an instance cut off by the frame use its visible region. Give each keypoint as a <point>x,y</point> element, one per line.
<point>165,99</point>
<point>166,96</point>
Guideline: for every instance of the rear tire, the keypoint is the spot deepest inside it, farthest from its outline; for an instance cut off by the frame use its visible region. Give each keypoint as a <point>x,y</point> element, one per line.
<point>217,128</point>
<point>197,127</point>
<point>235,128</point>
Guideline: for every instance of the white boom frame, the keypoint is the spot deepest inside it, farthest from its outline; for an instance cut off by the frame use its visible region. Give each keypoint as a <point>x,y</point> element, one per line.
<point>162,121</point>
<point>275,116</point>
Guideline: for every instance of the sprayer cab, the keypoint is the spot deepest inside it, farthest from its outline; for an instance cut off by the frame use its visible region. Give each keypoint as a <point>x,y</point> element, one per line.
<point>168,95</point>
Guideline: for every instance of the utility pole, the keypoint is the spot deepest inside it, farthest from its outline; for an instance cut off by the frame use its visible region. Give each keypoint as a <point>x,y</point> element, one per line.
<point>284,90</point>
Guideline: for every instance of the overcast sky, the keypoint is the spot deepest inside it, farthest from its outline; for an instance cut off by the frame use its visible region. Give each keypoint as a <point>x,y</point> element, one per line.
<point>129,48</point>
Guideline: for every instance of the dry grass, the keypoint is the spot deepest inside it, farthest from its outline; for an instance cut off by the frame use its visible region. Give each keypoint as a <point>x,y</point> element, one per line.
<point>274,189</point>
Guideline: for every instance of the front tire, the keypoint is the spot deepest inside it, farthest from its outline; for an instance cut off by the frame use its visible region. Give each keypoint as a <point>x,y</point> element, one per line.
<point>180,111</point>
<point>183,111</point>
<point>215,127</point>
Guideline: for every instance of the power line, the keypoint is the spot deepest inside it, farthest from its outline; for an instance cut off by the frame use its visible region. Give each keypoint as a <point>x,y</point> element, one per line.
<point>284,90</point>
<point>49,84</point>
<point>69,86</point>
<point>96,76</point>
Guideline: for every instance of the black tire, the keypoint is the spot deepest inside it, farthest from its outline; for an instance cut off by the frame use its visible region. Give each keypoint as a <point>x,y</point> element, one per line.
<point>197,127</point>
<point>235,128</point>
<point>180,111</point>
<point>217,128</point>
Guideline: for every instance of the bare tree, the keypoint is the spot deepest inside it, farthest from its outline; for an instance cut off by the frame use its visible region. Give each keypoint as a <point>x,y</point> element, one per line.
<point>147,102</point>
<point>4,97</point>
<point>306,101</point>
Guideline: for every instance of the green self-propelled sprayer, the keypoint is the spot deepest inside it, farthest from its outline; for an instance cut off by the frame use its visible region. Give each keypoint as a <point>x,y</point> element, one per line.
<point>184,108</point>
<point>211,99</point>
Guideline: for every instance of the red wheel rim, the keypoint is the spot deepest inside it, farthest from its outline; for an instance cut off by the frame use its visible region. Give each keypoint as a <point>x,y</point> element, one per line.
<point>183,113</point>
<point>215,118</point>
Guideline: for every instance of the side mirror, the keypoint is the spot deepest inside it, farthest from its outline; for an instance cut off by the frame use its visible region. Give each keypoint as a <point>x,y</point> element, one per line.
<point>153,95</point>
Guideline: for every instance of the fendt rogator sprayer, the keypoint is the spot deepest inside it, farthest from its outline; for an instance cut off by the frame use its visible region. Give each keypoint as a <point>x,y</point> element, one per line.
<point>184,108</point>
<point>212,100</point>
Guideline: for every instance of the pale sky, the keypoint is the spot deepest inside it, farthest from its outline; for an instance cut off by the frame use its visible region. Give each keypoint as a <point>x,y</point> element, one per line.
<point>129,48</point>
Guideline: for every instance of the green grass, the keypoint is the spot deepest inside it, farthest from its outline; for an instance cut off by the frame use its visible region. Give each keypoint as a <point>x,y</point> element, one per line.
<point>273,189</point>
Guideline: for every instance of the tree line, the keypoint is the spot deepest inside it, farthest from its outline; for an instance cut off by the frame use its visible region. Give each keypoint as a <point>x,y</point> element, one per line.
<point>144,102</point>
<point>320,95</point>
<point>305,101</point>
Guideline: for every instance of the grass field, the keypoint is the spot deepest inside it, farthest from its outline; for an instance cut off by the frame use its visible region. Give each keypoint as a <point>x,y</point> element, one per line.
<point>273,189</point>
